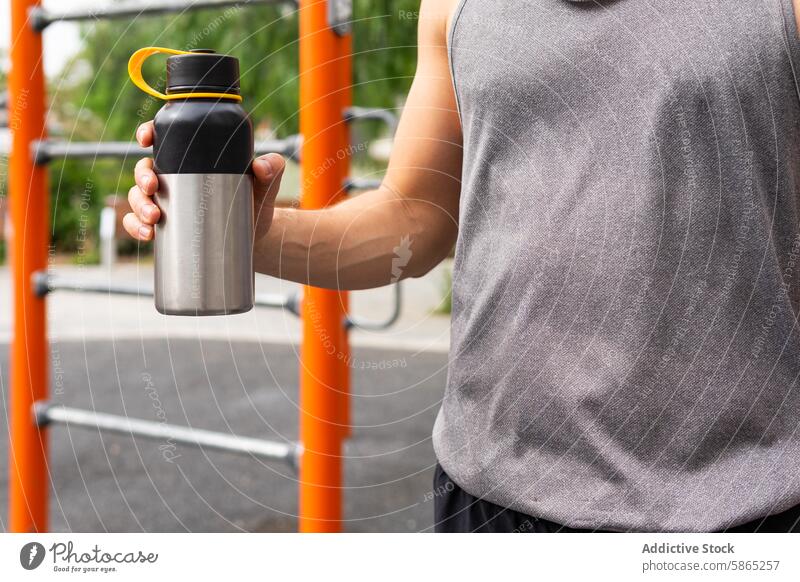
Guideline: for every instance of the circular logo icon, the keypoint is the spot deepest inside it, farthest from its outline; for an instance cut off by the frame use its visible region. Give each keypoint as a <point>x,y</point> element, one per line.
<point>31,555</point>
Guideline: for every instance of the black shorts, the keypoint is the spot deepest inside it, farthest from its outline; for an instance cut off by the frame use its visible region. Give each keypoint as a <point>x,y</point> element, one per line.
<point>456,511</point>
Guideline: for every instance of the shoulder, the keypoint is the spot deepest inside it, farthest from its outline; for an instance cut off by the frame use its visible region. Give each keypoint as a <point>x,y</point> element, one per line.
<point>435,17</point>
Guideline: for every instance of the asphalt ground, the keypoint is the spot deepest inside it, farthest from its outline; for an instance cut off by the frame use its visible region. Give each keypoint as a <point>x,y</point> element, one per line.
<point>117,483</point>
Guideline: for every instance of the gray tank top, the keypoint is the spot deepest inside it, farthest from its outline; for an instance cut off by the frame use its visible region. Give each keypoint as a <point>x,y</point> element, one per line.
<point>625,349</point>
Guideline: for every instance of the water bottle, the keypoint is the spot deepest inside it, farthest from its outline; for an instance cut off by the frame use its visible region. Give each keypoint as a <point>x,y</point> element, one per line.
<point>202,151</point>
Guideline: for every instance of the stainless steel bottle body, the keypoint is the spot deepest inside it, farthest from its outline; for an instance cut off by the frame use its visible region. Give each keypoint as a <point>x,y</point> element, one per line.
<point>203,149</point>
<point>204,244</point>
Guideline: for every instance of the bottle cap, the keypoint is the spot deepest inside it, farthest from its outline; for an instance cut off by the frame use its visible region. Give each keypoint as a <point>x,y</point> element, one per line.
<point>202,70</point>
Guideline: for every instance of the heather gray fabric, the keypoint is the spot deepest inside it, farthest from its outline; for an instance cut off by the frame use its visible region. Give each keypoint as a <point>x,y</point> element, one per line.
<point>625,350</point>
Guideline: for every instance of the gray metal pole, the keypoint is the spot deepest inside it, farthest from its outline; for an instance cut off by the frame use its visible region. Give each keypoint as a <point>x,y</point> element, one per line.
<point>351,184</point>
<point>41,18</point>
<point>46,413</point>
<point>108,237</point>
<point>387,116</point>
<point>48,150</point>
<point>44,283</point>
<point>391,319</point>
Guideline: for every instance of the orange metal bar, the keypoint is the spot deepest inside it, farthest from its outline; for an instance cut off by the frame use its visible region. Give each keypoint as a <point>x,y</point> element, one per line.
<point>325,153</point>
<point>28,478</point>
<point>346,100</point>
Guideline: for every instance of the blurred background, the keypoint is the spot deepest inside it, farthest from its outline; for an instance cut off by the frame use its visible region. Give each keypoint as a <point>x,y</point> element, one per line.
<point>237,374</point>
<point>92,99</point>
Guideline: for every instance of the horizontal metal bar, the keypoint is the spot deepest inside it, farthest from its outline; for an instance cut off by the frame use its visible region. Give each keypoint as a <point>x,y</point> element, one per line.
<point>387,116</point>
<point>46,413</point>
<point>44,283</point>
<point>394,315</point>
<point>41,18</point>
<point>290,302</point>
<point>45,151</point>
<point>289,147</point>
<point>351,184</point>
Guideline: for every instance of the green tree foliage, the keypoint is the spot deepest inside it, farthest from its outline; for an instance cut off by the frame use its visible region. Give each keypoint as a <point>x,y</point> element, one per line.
<point>94,99</point>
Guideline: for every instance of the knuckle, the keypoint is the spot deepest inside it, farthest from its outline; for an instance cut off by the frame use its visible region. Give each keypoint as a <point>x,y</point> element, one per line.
<point>129,223</point>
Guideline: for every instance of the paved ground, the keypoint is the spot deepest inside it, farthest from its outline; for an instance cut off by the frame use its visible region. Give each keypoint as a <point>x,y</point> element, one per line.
<point>237,375</point>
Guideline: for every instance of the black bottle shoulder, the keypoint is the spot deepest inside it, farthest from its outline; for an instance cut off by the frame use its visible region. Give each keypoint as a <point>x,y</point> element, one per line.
<point>202,136</point>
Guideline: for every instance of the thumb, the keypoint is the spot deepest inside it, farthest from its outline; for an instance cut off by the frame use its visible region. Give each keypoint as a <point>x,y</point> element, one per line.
<point>267,171</point>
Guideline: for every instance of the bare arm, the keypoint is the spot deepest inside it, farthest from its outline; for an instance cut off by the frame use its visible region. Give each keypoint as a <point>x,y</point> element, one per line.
<point>796,4</point>
<point>352,245</point>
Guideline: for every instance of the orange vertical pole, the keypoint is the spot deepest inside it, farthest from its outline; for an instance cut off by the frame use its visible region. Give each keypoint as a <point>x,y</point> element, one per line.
<point>346,96</point>
<point>324,155</point>
<point>28,481</point>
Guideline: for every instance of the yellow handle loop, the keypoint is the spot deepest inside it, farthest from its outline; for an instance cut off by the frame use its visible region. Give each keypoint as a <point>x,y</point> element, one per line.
<point>135,73</point>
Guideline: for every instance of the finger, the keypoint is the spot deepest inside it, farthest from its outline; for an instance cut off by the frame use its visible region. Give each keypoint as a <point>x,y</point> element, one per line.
<point>144,134</point>
<point>135,228</point>
<point>142,206</point>
<point>145,176</point>
<point>268,171</point>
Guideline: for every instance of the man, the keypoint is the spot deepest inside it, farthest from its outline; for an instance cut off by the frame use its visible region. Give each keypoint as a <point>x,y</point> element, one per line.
<point>620,180</point>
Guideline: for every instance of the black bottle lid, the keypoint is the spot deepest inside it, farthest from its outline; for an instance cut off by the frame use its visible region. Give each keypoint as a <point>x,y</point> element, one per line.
<point>202,71</point>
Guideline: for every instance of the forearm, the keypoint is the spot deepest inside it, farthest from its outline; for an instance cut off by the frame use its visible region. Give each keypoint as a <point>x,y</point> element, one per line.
<point>365,242</point>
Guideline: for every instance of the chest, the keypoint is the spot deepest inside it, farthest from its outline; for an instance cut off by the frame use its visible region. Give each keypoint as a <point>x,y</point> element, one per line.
<point>554,58</point>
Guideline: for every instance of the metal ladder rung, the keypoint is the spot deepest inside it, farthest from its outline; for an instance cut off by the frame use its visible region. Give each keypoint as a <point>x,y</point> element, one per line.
<point>41,18</point>
<point>44,283</point>
<point>46,413</point>
<point>45,151</point>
